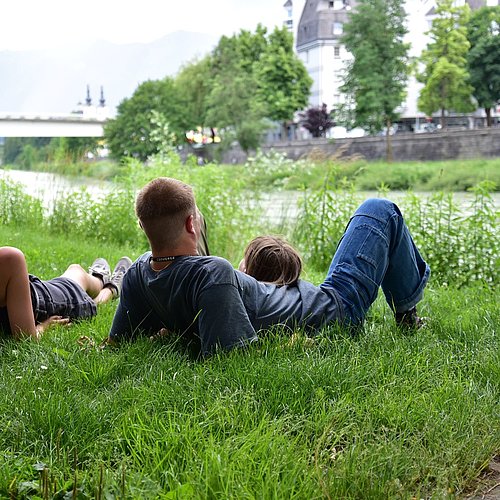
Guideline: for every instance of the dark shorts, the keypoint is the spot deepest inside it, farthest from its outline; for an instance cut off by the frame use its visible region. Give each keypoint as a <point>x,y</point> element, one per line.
<point>56,297</point>
<point>60,297</point>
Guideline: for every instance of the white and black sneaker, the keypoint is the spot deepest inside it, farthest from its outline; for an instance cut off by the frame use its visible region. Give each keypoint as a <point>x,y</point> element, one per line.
<point>100,268</point>
<point>115,282</point>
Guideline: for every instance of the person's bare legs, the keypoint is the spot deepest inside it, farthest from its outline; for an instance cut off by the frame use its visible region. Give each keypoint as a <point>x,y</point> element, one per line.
<point>105,295</point>
<point>15,292</point>
<point>91,284</point>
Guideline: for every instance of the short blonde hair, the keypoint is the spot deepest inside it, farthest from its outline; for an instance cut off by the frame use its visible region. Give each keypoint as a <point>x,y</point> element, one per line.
<point>162,207</point>
<point>271,259</point>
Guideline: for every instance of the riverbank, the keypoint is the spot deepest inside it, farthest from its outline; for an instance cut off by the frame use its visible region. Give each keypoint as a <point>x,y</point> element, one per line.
<point>274,171</point>
<point>278,207</point>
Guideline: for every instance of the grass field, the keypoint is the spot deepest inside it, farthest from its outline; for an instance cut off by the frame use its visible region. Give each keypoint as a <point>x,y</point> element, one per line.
<point>381,415</point>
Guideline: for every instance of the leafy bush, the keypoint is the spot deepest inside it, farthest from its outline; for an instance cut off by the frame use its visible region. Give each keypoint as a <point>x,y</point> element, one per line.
<point>322,219</point>
<point>18,208</point>
<point>275,170</point>
<point>461,248</point>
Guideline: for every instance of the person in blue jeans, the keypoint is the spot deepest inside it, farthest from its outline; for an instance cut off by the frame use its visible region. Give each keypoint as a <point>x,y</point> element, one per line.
<point>210,304</point>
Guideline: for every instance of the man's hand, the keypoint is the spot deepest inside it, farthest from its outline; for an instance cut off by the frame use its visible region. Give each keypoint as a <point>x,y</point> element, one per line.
<point>162,333</point>
<point>108,342</point>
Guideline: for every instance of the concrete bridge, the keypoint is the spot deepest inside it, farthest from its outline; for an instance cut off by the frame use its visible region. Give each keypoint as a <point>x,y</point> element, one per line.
<point>50,126</point>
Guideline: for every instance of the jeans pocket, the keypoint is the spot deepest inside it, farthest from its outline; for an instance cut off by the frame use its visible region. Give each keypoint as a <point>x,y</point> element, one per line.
<point>374,248</point>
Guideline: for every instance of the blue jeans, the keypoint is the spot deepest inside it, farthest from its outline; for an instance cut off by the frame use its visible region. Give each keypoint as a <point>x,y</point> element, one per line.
<point>375,251</point>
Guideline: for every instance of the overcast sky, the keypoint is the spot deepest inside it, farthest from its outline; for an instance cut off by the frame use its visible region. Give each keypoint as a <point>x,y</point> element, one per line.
<point>32,24</point>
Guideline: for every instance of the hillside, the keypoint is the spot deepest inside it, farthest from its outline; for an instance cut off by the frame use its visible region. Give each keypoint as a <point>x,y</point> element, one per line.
<point>54,81</point>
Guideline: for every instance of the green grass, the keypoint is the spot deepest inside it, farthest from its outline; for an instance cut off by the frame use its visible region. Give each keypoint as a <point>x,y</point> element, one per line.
<point>382,415</point>
<point>457,175</point>
<point>454,175</point>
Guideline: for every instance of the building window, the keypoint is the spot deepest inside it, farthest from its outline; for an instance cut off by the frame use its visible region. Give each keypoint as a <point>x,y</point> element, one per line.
<point>336,52</point>
<point>330,5</point>
<point>338,28</point>
<point>336,99</point>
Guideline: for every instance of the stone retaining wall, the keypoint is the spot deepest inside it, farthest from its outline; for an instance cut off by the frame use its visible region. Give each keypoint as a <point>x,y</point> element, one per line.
<point>441,145</point>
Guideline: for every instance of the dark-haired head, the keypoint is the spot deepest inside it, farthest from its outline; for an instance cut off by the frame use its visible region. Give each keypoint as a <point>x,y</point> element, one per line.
<point>272,260</point>
<point>162,207</point>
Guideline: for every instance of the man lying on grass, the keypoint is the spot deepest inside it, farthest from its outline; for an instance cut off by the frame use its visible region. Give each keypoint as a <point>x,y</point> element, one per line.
<point>205,300</point>
<point>28,306</point>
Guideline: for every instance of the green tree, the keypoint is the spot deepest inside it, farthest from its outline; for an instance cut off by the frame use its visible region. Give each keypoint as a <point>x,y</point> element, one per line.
<point>12,149</point>
<point>194,83</point>
<point>28,157</point>
<point>484,57</point>
<point>161,136</point>
<point>445,75</point>
<point>129,133</point>
<point>232,103</point>
<point>241,50</point>
<point>16,150</point>
<point>234,109</point>
<point>375,79</point>
<point>74,149</point>
<point>283,84</point>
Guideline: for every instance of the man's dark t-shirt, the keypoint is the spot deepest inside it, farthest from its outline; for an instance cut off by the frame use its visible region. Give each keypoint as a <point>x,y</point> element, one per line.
<point>206,299</point>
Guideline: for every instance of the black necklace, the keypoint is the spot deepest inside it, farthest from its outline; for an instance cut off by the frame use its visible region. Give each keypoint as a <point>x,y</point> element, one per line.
<point>164,259</point>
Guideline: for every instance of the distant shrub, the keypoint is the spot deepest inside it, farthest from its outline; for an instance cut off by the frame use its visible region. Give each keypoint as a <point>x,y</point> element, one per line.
<point>18,208</point>
<point>275,170</point>
<point>461,247</point>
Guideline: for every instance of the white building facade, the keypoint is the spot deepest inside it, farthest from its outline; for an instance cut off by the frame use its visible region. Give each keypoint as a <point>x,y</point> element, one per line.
<point>317,40</point>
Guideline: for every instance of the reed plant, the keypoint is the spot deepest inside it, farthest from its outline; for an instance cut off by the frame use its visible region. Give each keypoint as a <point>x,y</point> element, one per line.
<point>18,208</point>
<point>461,243</point>
<point>231,211</point>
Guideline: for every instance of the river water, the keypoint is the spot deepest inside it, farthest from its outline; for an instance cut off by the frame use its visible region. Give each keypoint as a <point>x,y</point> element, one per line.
<point>48,187</point>
<point>278,205</point>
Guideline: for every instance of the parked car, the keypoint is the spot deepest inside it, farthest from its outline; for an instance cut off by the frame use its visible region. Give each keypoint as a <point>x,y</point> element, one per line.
<point>426,128</point>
